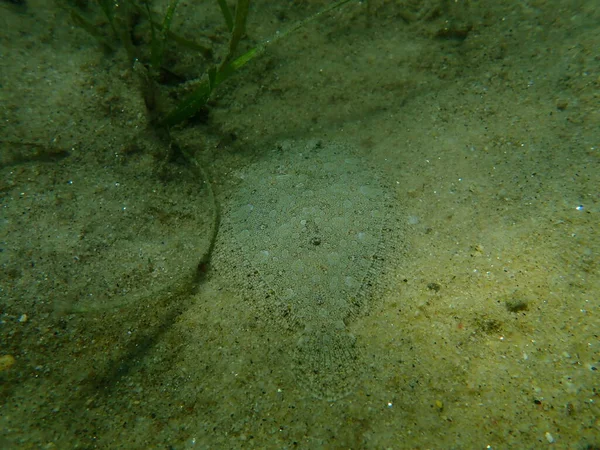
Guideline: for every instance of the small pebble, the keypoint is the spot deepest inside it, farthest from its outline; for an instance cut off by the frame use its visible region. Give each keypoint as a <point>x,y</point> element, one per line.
<point>6,362</point>
<point>516,305</point>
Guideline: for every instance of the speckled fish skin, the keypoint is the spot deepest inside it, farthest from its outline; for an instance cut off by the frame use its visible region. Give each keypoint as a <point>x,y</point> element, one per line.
<point>308,219</point>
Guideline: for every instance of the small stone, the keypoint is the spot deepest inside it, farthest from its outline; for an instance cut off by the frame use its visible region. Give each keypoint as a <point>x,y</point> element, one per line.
<point>434,287</point>
<point>477,250</point>
<point>517,304</point>
<point>562,104</point>
<point>6,362</point>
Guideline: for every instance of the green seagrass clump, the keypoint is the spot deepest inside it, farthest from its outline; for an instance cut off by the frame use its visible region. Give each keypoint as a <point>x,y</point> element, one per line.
<point>122,17</point>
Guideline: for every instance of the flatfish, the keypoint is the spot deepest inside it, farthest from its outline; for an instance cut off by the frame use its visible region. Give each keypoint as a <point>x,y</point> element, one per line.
<point>301,234</point>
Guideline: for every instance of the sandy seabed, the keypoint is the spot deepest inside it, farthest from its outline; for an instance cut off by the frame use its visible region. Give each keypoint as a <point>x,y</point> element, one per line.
<point>483,117</point>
